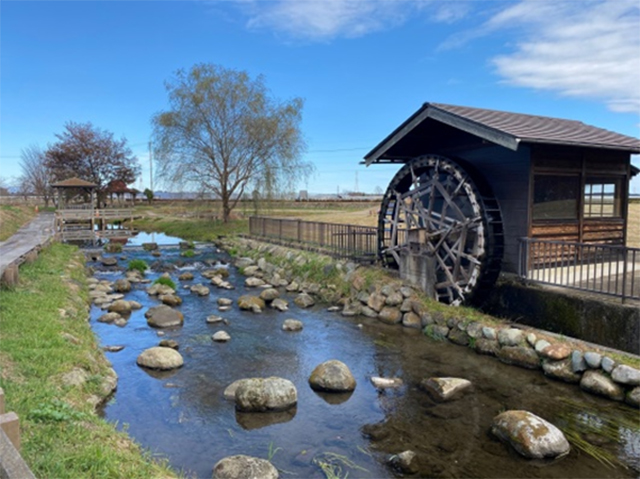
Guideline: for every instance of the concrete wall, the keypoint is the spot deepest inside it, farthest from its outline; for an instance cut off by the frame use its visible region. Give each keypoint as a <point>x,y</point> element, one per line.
<point>587,317</point>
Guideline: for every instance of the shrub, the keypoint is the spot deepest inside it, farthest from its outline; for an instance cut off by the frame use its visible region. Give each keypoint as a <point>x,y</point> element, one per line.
<point>165,281</point>
<point>113,248</point>
<point>138,265</point>
<point>188,254</point>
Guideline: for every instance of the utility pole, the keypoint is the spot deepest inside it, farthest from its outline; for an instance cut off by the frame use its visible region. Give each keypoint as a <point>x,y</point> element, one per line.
<point>150,169</point>
<point>356,183</point>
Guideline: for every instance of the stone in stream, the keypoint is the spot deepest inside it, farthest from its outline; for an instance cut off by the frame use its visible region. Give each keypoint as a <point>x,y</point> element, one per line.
<point>200,289</point>
<point>444,389</point>
<point>122,285</point>
<point>280,304</point>
<point>214,318</point>
<point>265,394</point>
<point>224,302</point>
<point>253,282</point>
<point>390,315</point>
<point>164,316</point>
<point>248,303</point>
<point>169,343</point>
<point>332,376</point>
<point>303,300</point>
<point>113,348</point>
<point>186,276</point>
<point>633,397</point>
<point>562,370</point>
<point>386,383</point>
<point>221,337</point>
<point>121,306</point>
<point>519,356</point>
<point>292,325</point>
<point>159,289</point>
<point>530,435</point>
<point>244,467</point>
<point>109,317</point>
<point>269,294</point>
<point>160,358</point>
<point>109,260</point>
<point>404,462</point>
<point>597,383</point>
<point>170,299</point>
<point>230,391</point>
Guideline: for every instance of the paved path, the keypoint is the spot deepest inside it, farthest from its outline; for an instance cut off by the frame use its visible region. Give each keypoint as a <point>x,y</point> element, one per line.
<point>27,238</point>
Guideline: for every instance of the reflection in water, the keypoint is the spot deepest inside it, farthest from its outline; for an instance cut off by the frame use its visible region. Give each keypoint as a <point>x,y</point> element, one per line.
<point>182,414</point>
<point>257,420</point>
<point>334,398</point>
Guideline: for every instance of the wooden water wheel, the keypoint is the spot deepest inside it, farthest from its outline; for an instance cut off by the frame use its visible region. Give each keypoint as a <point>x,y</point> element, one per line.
<point>458,217</point>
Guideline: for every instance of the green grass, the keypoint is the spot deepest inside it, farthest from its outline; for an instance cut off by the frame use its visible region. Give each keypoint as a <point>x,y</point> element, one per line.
<point>62,437</point>
<point>12,218</point>
<point>193,229</point>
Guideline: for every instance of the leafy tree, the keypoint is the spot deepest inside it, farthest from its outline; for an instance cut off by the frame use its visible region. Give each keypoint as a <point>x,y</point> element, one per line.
<point>225,132</point>
<point>149,195</point>
<point>36,176</point>
<point>91,154</point>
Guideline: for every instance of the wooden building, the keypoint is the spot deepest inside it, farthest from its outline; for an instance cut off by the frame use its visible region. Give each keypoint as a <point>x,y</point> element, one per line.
<point>552,178</point>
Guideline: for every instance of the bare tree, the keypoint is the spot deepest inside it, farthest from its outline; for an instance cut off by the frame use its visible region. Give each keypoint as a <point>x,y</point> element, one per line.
<point>93,155</point>
<point>225,132</point>
<point>36,177</point>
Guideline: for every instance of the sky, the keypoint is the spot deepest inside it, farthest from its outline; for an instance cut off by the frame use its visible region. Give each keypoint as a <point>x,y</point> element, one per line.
<point>361,66</point>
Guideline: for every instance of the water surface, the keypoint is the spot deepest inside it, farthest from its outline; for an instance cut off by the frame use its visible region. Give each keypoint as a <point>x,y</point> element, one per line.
<point>182,415</point>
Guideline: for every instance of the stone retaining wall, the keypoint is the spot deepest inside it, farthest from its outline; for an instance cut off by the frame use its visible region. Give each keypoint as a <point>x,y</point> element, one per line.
<point>596,370</point>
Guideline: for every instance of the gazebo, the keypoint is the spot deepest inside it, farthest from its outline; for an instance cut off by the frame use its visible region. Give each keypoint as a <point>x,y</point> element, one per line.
<point>71,188</point>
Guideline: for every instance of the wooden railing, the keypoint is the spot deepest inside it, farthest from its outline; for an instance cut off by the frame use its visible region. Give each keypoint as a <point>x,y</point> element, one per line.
<point>342,240</point>
<point>606,269</point>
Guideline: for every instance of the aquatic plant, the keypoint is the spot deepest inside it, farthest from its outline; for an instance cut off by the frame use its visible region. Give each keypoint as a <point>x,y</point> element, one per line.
<point>165,281</point>
<point>581,427</point>
<point>138,265</point>
<point>188,253</point>
<point>332,465</point>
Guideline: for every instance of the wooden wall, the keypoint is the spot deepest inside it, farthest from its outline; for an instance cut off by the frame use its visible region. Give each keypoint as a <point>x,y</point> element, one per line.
<point>583,163</point>
<point>507,172</point>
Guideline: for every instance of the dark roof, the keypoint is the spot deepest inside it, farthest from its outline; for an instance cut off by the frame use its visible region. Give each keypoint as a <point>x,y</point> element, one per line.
<point>74,183</point>
<point>509,129</point>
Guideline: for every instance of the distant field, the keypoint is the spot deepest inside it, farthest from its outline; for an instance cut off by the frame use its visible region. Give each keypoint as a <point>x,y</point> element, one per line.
<point>633,235</point>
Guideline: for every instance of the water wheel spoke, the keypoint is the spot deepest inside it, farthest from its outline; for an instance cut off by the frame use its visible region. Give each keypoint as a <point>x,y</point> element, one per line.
<point>438,197</point>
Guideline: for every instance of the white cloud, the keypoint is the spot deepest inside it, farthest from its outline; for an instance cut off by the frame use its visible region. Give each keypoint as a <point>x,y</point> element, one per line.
<point>320,20</point>
<point>588,49</point>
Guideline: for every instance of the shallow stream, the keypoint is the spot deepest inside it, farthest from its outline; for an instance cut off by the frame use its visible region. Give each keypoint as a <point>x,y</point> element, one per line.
<point>183,416</point>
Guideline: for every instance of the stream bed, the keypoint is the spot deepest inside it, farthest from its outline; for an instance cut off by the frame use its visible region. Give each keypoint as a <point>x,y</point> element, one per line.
<point>182,415</point>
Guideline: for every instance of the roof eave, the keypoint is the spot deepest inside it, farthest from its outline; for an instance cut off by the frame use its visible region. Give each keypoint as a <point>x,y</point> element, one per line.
<point>429,111</point>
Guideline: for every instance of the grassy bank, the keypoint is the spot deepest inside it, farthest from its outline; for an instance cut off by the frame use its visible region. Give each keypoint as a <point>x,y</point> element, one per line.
<point>12,217</point>
<point>191,229</point>
<point>44,335</point>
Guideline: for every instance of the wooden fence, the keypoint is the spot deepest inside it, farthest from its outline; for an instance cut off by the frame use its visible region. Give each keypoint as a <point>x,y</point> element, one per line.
<point>346,241</point>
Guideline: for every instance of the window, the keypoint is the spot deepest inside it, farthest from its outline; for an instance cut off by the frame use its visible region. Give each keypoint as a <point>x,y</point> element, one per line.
<point>555,197</point>
<point>602,198</point>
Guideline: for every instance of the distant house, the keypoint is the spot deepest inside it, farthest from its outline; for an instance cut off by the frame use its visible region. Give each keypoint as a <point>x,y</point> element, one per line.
<point>530,176</point>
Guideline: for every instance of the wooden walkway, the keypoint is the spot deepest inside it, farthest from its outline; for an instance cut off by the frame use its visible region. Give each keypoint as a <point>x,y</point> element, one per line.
<point>24,246</point>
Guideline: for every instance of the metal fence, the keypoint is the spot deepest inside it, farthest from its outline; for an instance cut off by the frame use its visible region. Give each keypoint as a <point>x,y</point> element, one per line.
<point>605,269</point>
<point>342,240</point>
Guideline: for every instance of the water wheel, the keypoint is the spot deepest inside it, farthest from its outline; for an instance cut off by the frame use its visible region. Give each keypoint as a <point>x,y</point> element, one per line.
<point>459,219</point>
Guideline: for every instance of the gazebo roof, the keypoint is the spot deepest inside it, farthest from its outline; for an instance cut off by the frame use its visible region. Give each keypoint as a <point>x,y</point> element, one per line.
<point>74,182</point>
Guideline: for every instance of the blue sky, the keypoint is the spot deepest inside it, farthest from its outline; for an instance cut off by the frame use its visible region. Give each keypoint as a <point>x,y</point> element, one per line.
<point>362,66</point>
